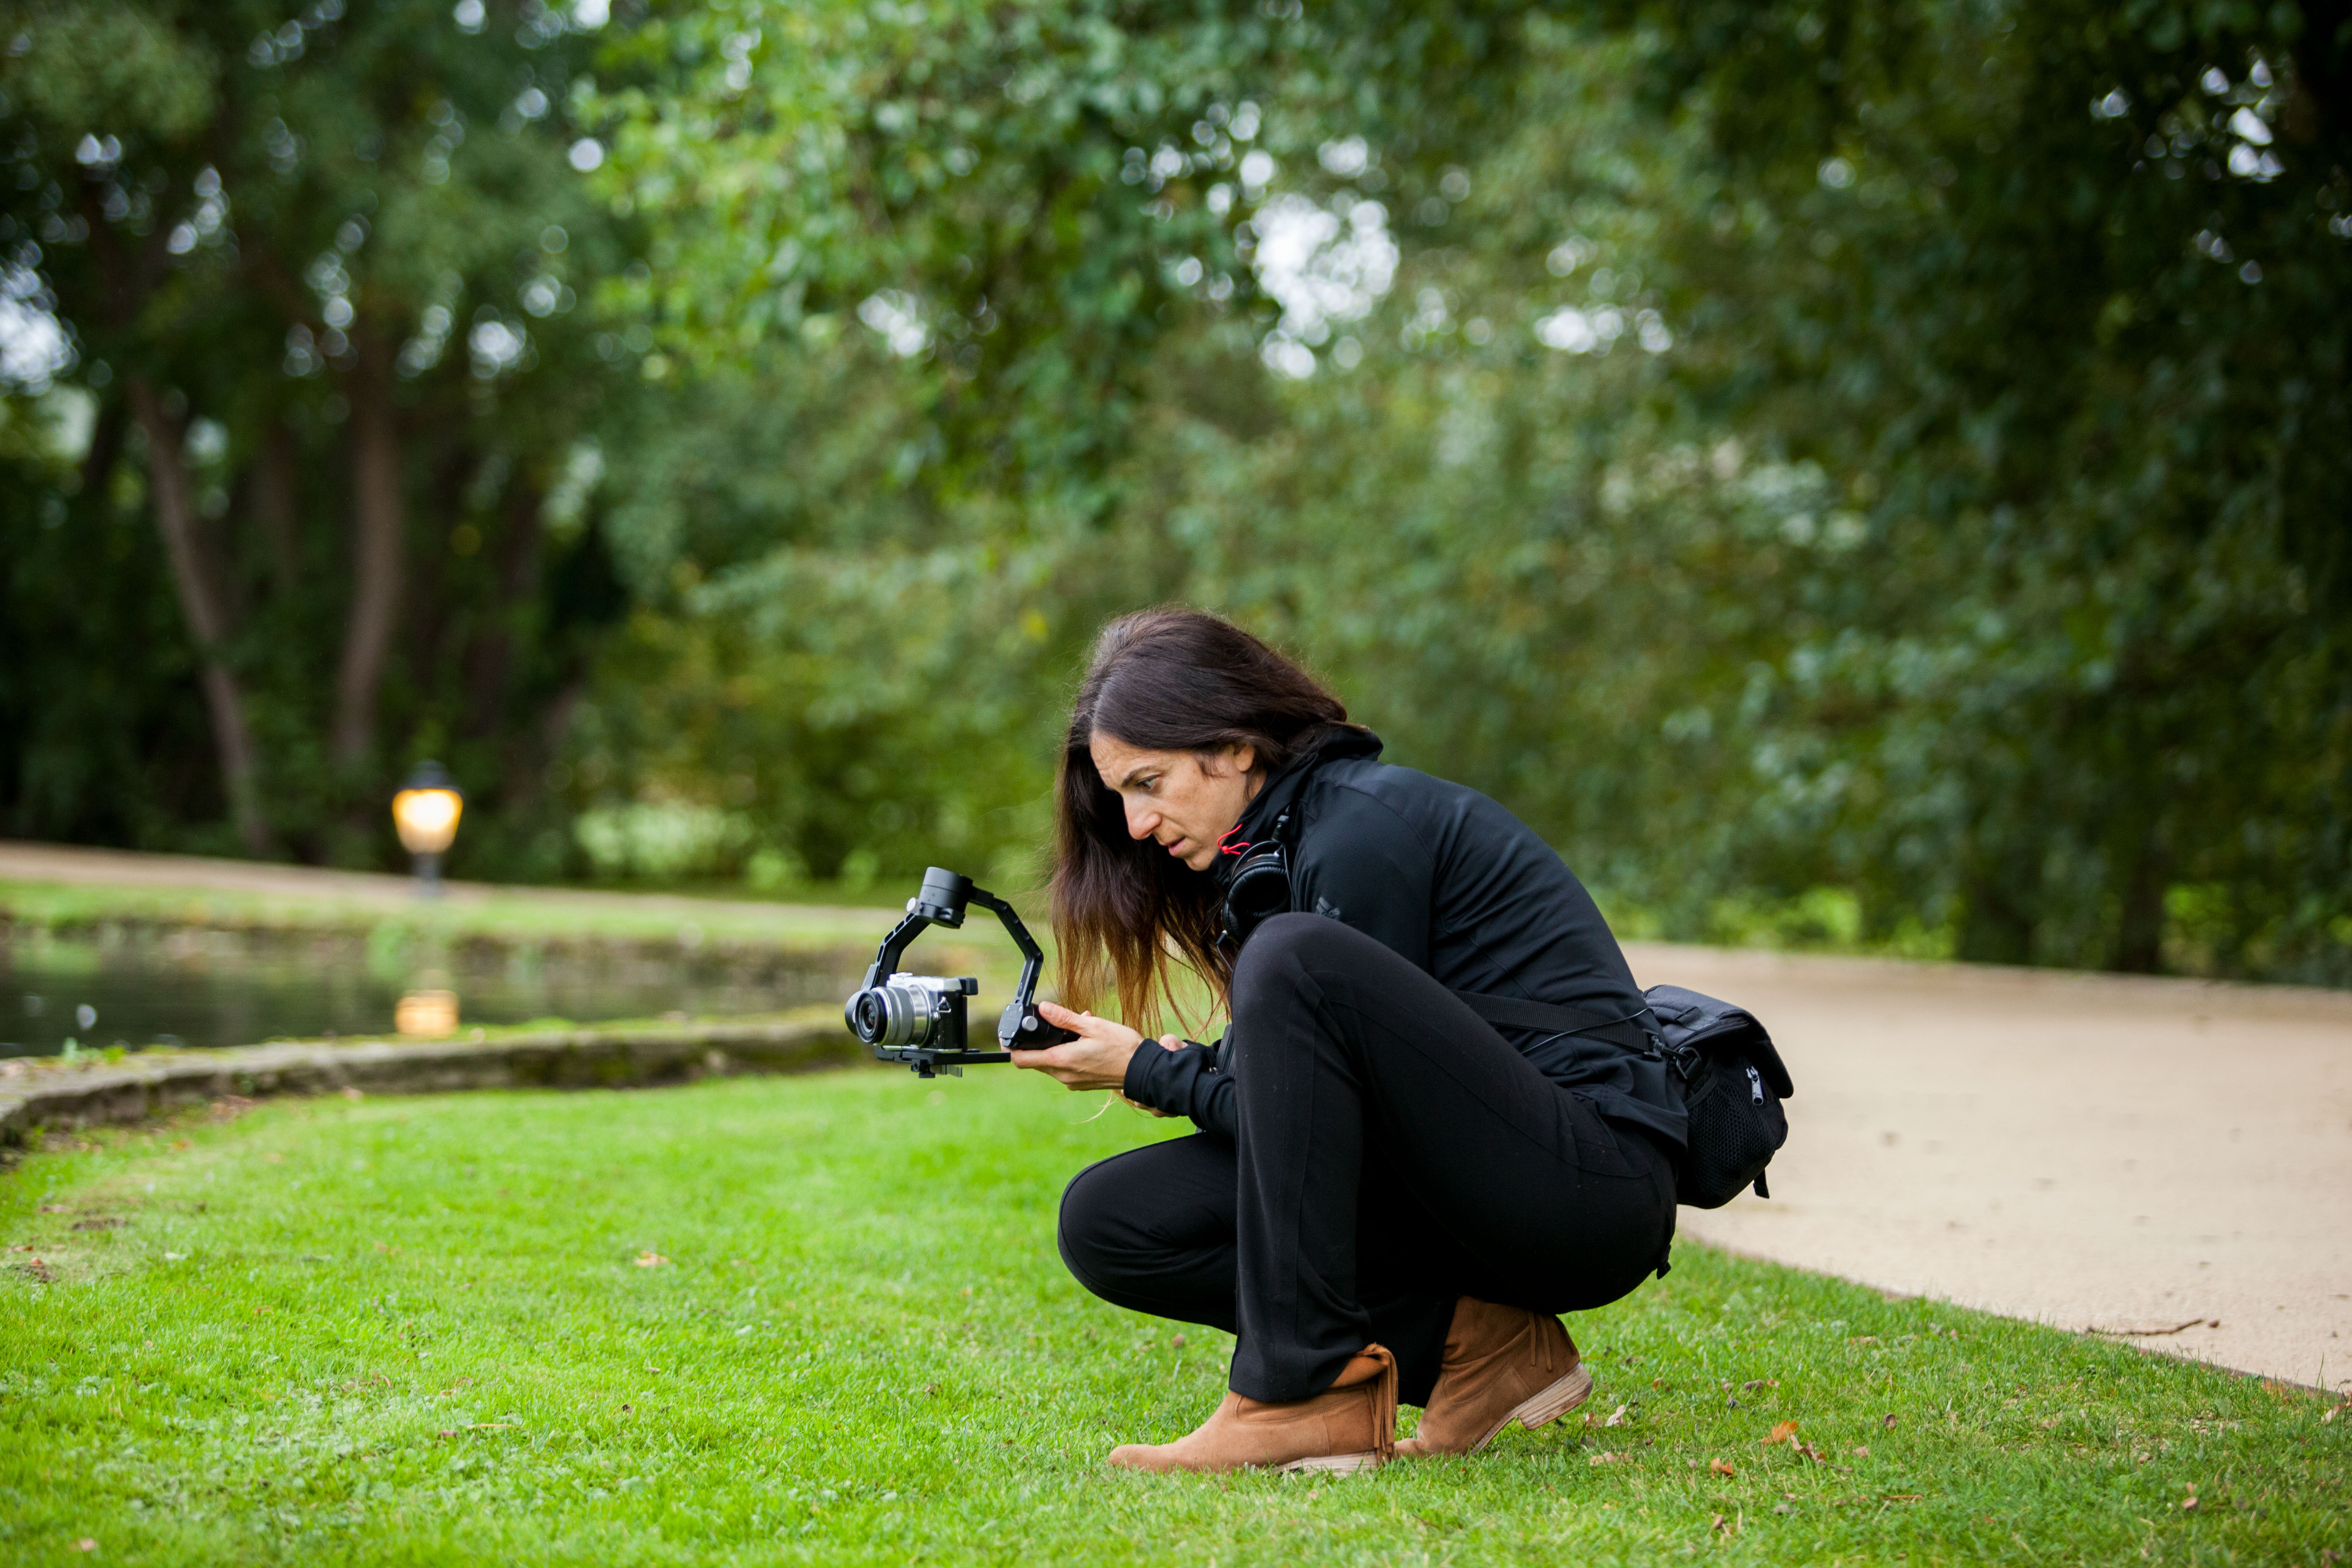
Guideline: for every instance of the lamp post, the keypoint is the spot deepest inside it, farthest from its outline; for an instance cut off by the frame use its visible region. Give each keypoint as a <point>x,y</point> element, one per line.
<point>425,810</point>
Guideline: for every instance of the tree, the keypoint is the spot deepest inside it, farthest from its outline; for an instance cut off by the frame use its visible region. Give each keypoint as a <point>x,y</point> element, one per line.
<point>339,249</point>
<point>1862,472</point>
<point>1965,547</point>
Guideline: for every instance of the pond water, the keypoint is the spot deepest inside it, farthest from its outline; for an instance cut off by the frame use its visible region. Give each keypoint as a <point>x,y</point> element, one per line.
<point>177,987</point>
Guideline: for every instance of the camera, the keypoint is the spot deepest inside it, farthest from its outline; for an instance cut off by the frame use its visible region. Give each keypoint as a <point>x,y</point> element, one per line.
<point>912,1010</point>
<point>921,1019</point>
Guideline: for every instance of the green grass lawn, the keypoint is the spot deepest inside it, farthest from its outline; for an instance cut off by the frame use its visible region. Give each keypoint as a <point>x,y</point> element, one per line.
<point>822,1319</point>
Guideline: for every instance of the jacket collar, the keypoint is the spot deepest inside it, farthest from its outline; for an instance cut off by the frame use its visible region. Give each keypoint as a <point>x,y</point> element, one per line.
<point>1282,791</point>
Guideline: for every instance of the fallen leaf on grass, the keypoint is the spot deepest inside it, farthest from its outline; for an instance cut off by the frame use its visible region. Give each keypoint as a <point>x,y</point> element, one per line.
<point>85,1544</point>
<point>1863,1452</point>
<point>1782,1431</point>
<point>53,1208</point>
<point>1887,1421</point>
<point>1902,1496</point>
<point>1616,1417</point>
<point>650,1260</point>
<point>1721,1467</point>
<point>354,1091</point>
<point>1608,1458</point>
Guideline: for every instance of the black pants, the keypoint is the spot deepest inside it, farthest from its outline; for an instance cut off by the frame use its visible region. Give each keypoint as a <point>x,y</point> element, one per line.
<point>1394,1153</point>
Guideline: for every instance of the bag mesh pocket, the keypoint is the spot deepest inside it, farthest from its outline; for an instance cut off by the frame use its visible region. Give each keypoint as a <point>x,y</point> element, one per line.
<point>1736,1128</point>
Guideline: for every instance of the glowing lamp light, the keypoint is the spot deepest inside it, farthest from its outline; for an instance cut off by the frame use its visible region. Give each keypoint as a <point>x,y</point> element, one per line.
<point>425,813</point>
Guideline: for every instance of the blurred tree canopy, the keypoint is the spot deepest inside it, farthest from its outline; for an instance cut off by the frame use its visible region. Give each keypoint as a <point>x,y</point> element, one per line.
<point>1866,473</point>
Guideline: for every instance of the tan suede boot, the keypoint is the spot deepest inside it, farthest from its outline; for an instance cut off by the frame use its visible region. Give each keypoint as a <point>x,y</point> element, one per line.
<point>1351,1425</point>
<point>1502,1364</point>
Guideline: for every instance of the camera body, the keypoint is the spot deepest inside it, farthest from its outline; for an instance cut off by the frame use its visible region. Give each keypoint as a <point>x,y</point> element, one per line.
<point>921,1019</point>
<point>914,1010</point>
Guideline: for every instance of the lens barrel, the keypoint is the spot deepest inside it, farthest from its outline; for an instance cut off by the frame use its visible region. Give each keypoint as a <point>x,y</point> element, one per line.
<point>890,1015</point>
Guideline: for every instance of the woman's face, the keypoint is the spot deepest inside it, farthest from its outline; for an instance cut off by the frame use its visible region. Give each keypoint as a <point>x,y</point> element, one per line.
<point>1175,798</point>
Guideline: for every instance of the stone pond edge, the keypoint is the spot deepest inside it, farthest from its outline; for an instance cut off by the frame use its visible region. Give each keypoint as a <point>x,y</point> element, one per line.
<point>629,1056</point>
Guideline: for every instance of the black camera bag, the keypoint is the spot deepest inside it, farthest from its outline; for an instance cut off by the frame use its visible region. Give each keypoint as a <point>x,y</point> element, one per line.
<point>1733,1083</point>
<point>1731,1077</point>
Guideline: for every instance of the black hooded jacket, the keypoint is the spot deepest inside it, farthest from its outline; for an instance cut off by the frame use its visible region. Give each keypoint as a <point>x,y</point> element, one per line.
<point>1451,880</point>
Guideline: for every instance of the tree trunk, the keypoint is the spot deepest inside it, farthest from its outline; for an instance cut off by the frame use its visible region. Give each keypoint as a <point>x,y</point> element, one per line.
<point>377,554</point>
<point>278,506</point>
<point>98,463</point>
<point>489,662</point>
<point>197,582</point>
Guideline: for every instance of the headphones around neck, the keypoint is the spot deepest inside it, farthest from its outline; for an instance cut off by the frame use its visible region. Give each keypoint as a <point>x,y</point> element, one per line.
<point>1257,887</point>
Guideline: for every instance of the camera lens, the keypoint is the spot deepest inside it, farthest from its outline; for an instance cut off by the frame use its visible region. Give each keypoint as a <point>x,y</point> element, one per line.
<point>890,1015</point>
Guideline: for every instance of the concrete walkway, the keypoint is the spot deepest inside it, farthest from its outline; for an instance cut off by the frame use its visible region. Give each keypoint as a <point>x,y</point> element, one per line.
<point>2160,1159</point>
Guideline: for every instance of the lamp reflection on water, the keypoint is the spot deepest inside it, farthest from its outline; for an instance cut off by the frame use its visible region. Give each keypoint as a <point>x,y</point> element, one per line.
<point>427,1015</point>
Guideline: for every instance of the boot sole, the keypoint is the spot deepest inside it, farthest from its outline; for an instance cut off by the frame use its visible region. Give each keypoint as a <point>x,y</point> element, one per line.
<point>1544,1408</point>
<point>1332,1464</point>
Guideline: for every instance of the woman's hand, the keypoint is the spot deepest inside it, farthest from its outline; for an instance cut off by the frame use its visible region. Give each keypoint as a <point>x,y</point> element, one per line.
<point>1097,1058</point>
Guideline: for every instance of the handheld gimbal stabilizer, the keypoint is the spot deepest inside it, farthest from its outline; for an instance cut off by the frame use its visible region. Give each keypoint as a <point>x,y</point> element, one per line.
<point>920,1019</point>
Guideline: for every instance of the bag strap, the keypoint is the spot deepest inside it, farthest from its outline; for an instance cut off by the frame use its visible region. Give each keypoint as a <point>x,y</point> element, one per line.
<point>1634,1031</point>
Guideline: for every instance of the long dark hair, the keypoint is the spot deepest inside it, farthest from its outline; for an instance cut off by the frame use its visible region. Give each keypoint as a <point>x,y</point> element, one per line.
<point>1166,679</point>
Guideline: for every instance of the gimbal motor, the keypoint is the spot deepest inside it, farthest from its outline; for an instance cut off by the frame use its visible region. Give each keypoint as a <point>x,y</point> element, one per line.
<point>920,1019</point>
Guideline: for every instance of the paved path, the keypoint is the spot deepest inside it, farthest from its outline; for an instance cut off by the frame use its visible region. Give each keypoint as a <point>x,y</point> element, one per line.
<point>2092,1152</point>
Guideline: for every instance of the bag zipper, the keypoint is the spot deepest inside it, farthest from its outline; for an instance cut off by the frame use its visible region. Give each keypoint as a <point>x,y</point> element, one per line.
<point>1755,1086</point>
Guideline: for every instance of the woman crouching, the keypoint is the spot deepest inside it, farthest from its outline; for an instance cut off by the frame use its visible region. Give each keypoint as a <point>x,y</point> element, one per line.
<point>1389,1198</point>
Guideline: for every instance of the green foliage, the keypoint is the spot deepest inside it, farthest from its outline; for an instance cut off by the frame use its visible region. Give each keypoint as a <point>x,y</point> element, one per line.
<point>272,221</point>
<point>418,1329</point>
<point>1873,457</point>
<point>1964,541</point>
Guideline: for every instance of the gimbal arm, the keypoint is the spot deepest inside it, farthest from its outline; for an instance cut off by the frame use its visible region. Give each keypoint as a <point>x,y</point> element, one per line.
<point>1032,961</point>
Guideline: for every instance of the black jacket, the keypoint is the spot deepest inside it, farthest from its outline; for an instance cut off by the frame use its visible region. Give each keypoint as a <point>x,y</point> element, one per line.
<point>1451,880</point>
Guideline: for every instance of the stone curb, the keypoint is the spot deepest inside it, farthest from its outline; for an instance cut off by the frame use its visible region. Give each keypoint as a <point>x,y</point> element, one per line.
<point>564,1058</point>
